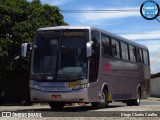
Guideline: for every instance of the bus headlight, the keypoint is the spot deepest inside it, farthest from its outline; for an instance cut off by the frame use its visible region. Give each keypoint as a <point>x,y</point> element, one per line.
<point>34,86</point>
<point>81,86</point>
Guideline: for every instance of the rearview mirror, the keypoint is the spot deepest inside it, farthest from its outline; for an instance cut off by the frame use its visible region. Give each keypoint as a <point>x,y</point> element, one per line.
<point>24,48</point>
<point>89,48</point>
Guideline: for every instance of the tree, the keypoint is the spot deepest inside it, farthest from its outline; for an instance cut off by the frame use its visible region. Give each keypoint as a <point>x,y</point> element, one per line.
<point>19,21</point>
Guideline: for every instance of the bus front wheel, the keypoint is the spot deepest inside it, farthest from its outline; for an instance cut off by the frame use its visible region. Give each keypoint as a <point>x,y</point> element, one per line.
<point>103,102</point>
<point>56,106</point>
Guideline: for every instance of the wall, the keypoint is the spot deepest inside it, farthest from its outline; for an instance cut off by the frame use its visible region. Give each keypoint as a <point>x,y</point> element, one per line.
<point>155,87</point>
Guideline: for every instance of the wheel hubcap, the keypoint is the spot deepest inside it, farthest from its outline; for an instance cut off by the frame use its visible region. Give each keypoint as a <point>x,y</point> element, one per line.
<point>138,98</point>
<point>103,98</point>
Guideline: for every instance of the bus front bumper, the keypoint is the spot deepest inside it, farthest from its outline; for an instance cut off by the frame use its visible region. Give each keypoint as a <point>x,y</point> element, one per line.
<point>80,95</point>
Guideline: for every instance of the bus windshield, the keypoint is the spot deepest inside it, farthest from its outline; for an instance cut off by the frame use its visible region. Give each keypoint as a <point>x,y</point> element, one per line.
<point>60,55</point>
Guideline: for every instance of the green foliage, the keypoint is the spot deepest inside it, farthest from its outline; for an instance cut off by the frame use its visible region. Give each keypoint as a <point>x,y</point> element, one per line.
<point>19,21</point>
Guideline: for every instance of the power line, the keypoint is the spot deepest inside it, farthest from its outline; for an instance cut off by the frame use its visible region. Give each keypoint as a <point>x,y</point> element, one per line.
<point>99,11</point>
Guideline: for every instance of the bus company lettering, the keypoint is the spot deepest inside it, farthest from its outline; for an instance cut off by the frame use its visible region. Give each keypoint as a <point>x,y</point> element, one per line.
<point>73,34</point>
<point>107,68</point>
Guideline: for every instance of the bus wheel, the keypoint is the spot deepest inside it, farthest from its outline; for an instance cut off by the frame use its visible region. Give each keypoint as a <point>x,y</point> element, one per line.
<point>56,106</point>
<point>104,101</point>
<point>135,102</point>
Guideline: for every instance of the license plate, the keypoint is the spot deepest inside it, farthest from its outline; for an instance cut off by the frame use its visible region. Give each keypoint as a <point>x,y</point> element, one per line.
<point>55,96</point>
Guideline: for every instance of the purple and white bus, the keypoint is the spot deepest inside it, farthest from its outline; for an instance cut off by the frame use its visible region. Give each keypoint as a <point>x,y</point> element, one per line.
<point>87,65</point>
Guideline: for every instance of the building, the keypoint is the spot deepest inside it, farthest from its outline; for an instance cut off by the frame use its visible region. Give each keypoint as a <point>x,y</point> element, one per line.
<point>155,85</point>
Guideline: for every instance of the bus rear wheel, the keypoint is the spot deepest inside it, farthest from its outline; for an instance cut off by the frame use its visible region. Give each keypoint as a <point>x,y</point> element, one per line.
<point>56,106</point>
<point>104,101</point>
<point>135,102</point>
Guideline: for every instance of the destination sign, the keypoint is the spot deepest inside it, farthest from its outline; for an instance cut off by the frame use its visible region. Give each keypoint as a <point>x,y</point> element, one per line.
<point>73,34</point>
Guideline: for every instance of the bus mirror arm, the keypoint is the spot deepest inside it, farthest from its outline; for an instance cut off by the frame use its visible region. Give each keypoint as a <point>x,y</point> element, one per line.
<point>89,48</point>
<point>24,48</point>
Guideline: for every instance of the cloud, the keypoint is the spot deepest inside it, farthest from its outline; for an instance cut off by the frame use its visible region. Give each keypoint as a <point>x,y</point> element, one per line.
<point>153,48</point>
<point>147,35</point>
<point>154,58</point>
<point>59,2</point>
<point>154,51</point>
<point>89,17</point>
<point>155,68</point>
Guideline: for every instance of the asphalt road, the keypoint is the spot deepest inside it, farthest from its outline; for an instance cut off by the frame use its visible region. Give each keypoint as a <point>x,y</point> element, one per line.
<point>115,110</point>
<point>114,106</point>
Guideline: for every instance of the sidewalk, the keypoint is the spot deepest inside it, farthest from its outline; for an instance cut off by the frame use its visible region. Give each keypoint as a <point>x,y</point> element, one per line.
<point>154,98</point>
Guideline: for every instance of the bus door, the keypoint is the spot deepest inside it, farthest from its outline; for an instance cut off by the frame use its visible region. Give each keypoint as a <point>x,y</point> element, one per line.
<point>94,63</point>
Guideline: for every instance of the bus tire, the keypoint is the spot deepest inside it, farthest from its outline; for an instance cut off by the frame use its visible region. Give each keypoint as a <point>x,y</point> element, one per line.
<point>104,101</point>
<point>135,102</point>
<point>56,106</point>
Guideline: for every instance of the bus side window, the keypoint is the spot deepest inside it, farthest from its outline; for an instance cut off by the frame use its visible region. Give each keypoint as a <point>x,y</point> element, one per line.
<point>124,50</point>
<point>115,48</point>
<point>132,51</point>
<point>145,57</point>
<point>139,55</point>
<point>106,49</point>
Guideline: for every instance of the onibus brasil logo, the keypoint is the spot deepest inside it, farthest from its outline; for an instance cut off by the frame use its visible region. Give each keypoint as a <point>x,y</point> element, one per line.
<point>149,10</point>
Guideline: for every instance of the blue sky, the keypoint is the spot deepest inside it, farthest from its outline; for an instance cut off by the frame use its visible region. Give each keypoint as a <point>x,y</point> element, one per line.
<point>119,22</point>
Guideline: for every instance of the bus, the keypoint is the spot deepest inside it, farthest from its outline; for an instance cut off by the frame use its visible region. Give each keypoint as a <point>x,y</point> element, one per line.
<point>83,64</point>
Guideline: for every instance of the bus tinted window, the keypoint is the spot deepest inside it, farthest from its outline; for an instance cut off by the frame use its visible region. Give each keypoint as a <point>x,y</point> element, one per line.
<point>106,45</point>
<point>132,51</point>
<point>124,50</point>
<point>115,48</point>
<point>145,57</point>
<point>139,55</point>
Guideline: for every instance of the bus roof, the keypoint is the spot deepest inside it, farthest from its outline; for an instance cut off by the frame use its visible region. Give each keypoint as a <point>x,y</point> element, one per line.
<point>94,28</point>
<point>64,27</point>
